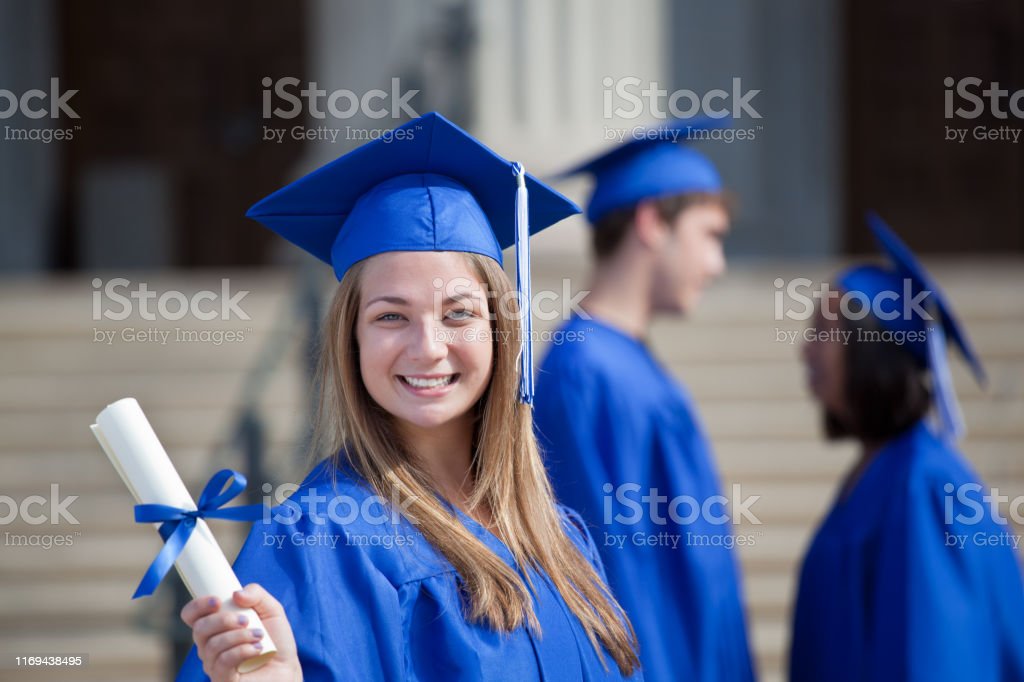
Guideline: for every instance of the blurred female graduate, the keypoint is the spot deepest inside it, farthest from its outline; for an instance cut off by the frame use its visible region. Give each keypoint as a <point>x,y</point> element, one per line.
<point>428,544</point>
<point>910,576</point>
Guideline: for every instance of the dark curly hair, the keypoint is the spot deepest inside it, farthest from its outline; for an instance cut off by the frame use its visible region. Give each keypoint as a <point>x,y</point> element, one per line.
<point>887,388</point>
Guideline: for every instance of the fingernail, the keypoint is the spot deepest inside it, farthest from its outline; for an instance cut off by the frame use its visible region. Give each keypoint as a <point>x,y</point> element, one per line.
<point>243,619</point>
<point>258,645</point>
<point>257,633</point>
<point>211,602</point>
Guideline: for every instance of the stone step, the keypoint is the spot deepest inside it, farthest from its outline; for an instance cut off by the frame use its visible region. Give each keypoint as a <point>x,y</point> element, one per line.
<point>121,554</point>
<point>54,304</point>
<point>33,430</point>
<point>32,601</point>
<point>157,389</point>
<point>87,472</point>
<point>768,420</point>
<point>185,427</point>
<point>787,459</point>
<point>115,654</point>
<point>64,305</point>
<point>977,289</point>
<point>137,347</point>
<point>707,382</point>
<point>127,551</point>
<point>996,340</point>
<point>83,355</point>
<point>100,601</point>
<point>786,380</point>
<point>769,641</point>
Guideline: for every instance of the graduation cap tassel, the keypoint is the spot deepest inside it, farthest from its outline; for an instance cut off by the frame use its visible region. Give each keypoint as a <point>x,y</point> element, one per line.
<point>523,284</point>
<point>951,419</point>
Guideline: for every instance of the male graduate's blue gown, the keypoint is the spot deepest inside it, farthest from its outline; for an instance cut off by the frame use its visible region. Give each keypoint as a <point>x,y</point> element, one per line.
<point>370,600</point>
<point>904,581</point>
<point>608,415</point>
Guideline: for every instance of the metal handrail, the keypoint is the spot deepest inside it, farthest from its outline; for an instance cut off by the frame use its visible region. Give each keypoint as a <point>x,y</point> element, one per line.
<point>245,432</point>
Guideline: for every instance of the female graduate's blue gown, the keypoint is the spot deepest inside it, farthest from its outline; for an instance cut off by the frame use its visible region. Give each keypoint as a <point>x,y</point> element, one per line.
<point>369,599</point>
<point>911,578</point>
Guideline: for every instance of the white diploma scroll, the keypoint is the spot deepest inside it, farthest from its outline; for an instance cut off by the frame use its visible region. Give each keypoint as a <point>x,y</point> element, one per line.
<point>133,448</point>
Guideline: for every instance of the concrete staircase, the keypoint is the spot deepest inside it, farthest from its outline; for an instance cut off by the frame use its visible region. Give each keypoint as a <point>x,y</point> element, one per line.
<point>55,377</point>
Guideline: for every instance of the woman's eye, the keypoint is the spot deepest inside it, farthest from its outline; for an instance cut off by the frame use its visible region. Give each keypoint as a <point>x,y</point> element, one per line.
<point>462,314</point>
<point>389,317</point>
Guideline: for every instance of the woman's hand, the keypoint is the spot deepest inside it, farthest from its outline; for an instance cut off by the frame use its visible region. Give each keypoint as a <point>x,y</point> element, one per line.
<point>223,638</point>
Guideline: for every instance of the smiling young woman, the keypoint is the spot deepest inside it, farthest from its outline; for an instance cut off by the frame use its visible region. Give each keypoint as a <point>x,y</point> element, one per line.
<point>478,573</point>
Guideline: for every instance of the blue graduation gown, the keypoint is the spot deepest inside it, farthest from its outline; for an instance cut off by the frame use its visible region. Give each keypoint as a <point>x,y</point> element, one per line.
<point>370,599</point>
<point>890,591</point>
<point>607,415</point>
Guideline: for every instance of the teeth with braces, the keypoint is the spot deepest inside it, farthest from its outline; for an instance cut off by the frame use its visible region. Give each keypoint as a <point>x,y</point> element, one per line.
<point>428,383</point>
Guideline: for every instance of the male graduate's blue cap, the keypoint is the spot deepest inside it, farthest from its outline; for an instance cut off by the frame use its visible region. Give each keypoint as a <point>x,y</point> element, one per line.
<point>893,287</point>
<point>426,186</point>
<point>656,163</point>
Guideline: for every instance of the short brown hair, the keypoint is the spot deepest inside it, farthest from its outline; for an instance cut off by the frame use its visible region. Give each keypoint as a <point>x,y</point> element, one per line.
<point>612,228</point>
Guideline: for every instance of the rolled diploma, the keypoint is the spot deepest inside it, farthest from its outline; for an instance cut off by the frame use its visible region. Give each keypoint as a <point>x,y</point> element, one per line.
<point>133,448</point>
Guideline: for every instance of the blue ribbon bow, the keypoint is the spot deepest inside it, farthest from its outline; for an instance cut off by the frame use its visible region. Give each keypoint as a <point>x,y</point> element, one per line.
<point>176,525</point>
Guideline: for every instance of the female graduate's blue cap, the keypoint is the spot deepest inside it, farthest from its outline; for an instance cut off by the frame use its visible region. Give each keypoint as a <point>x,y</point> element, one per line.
<point>425,186</point>
<point>926,325</point>
<point>655,163</point>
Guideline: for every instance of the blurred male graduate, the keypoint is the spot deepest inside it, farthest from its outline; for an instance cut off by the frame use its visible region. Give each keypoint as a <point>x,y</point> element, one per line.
<point>911,576</point>
<point>621,437</point>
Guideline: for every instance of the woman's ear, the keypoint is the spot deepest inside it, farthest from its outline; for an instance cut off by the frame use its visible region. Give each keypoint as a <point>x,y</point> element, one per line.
<point>648,225</point>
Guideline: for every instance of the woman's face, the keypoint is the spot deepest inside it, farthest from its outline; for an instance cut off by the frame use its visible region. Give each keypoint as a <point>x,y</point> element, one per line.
<point>824,358</point>
<point>425,343</point>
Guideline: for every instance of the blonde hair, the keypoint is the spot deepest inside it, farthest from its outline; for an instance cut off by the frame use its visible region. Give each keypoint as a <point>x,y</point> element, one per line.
<point>507,467</point>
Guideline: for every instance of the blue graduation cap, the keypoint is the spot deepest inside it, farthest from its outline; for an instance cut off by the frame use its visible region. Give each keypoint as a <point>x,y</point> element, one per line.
<point>926,333</point>
<point>428,186</point>
<point>656,163</point>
